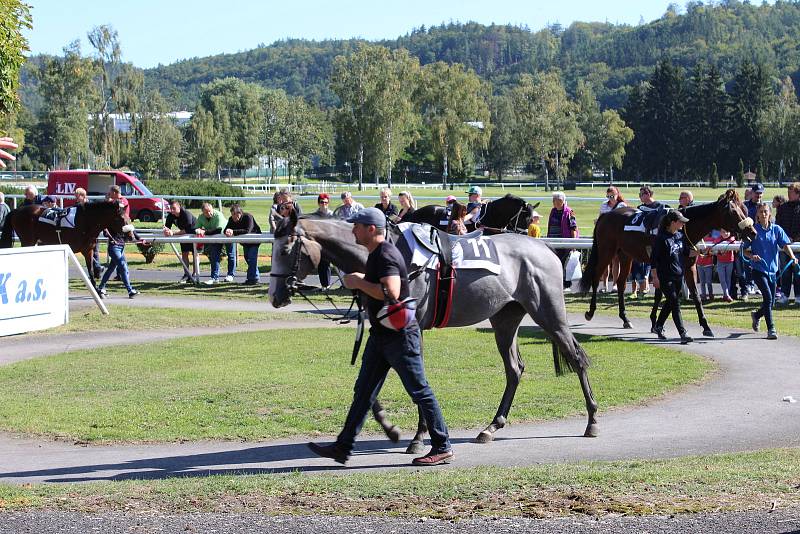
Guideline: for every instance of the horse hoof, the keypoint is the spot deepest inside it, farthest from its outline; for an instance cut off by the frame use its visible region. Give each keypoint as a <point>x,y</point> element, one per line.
<point>588,316</point>
<point>591,431</point>
<point>708,333</point>
<point>627,324</point>
<point>393,434</point>
<point>415,447</point>
<point>484,437</point>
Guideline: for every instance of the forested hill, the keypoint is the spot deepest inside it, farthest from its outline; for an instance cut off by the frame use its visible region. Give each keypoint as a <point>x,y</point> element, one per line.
<point>612,57</point>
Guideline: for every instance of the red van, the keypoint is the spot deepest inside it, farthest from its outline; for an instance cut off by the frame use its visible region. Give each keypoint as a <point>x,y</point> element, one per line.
<point>64,183</point>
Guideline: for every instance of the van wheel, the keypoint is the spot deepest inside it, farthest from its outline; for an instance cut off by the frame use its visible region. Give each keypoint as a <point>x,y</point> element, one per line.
<point>146,216</point>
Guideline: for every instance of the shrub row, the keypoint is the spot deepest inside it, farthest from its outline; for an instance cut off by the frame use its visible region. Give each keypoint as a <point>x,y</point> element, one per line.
<point>195,188</point>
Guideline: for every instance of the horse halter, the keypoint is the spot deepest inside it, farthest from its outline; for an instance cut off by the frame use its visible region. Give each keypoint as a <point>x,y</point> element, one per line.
<point>511,225</point>
<point>295,258</point>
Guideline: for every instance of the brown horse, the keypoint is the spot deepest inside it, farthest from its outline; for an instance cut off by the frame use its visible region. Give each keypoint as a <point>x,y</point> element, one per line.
<point>90,220</point>
<point>610,239</point>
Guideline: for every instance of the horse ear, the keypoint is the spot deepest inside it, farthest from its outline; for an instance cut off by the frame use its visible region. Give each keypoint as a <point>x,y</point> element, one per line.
<point>534,206</point>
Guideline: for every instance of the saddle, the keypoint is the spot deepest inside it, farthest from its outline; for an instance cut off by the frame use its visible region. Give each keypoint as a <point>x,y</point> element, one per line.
<point>432,238</point>
<point>646,220</point>
<point>59,217</point>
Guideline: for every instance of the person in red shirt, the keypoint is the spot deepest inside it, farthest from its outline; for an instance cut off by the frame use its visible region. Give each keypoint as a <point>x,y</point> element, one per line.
<point>705,271</point>
<point>725,261</point>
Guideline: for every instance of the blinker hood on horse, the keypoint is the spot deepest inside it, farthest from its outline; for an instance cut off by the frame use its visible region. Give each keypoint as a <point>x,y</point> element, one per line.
<point>506,214</point>
<point>611,239</point>
<point>529,283</point>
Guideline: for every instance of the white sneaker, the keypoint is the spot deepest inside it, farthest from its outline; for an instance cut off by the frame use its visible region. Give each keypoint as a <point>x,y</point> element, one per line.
<point>211,281</point>
<point>229,278</point>
<point>783,300</point>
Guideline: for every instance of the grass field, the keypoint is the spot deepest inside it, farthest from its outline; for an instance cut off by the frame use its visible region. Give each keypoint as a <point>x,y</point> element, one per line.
<point>298,382</point>
<point>743,481</point>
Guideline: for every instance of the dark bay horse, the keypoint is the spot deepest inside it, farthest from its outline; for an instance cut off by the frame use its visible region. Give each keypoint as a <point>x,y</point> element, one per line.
<point>90,220</point>
<point>506,214</point>
<point>610,239</point>
<point>530,283</point>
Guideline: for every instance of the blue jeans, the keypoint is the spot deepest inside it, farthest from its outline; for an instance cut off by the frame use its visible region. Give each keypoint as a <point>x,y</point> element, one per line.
<point>251,257</point>
<point>230,250</point>
<point>789,279</point>
<point>401,352</point>
<point>116,254</point>
<point>767,284</point>
<point>214,250</point>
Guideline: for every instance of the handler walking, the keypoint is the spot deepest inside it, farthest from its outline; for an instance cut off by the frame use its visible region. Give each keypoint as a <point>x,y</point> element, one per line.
<point>669,249</point>
<point>386,278</point>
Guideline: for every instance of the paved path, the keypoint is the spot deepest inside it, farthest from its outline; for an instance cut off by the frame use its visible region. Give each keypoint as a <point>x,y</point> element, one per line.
<point>738,409</point>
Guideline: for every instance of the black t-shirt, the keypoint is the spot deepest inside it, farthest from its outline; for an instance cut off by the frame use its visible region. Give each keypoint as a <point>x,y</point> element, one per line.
<point>390,210</point>
<point>385,261</point>
<point>668,252</point>
<point>184,221</point>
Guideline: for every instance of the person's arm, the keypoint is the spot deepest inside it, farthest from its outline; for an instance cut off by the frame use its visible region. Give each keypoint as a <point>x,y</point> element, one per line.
<point>472,214</point>
<point>374,290</point>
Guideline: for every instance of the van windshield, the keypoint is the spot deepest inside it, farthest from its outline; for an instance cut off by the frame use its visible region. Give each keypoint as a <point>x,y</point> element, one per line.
<point>145,192</point>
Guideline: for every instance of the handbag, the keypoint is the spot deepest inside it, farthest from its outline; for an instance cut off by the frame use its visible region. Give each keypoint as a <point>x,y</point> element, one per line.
<point>573,270</point>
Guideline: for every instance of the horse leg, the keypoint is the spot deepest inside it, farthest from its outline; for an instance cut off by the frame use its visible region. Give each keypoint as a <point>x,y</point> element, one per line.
<point>417,445</point>
<point>604,259</point>
<point>688,276</point>
<point>506,328</point>
<point>391,431</point>
<point>625,264</point>
<point>87,258</point>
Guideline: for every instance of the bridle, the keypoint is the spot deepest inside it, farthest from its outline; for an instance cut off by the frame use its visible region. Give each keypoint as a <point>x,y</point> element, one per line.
<point>510,227</point>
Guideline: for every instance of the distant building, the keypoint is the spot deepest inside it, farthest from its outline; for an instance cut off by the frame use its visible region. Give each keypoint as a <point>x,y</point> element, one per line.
<point>122,121</point>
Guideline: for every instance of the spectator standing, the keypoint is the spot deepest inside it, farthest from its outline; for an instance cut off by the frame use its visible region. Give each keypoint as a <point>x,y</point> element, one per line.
<point>241,223</point>
<point>407,206</point>
<point>385,205</point>
<point>614,200</point>
<point>744,272</point>
<point>32,196</point>
<point>685,199</point>
<point>669,250</point>
<point>763,253</point>
<point>4,209</point>
<point>788,218</point>
<point>279,199</point>
<point>534,230</point>
<point>474,205</point>
<point>386,278</point>
<point>324,267</point>
<point>725,261</point>
<point>212,222</point>
<point>349,206</point>
<point>705,271</point>
<point>640,272</point>
<point>186,224</point>
<point>562,223</point>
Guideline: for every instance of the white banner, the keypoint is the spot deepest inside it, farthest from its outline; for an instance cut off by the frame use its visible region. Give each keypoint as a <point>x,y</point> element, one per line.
<point>34,288</point>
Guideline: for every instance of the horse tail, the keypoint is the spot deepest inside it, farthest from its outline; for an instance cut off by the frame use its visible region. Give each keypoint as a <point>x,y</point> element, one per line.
<point>7,235</point>
<point>570,359</point>
<point>589,272</point>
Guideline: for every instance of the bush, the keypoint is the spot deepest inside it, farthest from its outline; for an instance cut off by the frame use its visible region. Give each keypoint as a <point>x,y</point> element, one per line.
<point>195,188</point>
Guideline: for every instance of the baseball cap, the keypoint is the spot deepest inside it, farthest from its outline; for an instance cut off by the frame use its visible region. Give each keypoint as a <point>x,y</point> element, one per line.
<point>675,215</point>
<point>535,214</point>
<point>757,187</point>
<point>48,198</point>
<point>369,216</point>
<point>474,190</point>
<point>450,198</point>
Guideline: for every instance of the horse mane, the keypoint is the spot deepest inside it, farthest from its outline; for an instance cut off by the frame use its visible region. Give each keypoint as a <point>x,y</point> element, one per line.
<point>731,195</point>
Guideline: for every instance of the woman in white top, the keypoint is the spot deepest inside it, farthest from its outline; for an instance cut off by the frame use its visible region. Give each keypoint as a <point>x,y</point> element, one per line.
<point>613,201</point>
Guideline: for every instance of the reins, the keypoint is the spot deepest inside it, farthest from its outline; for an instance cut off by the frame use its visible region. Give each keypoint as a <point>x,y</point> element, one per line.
<point>510,227</point>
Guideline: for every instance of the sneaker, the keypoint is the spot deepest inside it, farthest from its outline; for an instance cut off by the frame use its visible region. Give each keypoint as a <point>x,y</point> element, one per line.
<point>102,292</point>
<point>185,280</point>
<point>250,282</point>
<point>229,278</point>
<point>659,331</point>
<point>633,296</point>
<point>755,320</point>
<point>329,451</point>
<point>782,300</point>
<point>772,335</point>
<point>686,339</point>
<point>211,281</point>
<point>434,458</point>
<point>727,298</point>
<point>132,293</point>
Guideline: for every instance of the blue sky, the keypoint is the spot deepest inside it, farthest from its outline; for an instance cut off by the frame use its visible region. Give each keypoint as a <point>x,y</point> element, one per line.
<point>153,32</point>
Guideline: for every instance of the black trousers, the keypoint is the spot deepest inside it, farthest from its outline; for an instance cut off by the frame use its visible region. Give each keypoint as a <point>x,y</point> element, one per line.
<point>672,289</point>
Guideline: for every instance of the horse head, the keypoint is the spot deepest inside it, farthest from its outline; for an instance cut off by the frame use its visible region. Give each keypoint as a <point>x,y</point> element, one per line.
<point>735,218</point>
<point>508,213</point>
<point>294,256</point>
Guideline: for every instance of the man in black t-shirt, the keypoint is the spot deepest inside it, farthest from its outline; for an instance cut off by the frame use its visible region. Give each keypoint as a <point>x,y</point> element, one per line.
<point>186,224</point>
<point>386,277</point>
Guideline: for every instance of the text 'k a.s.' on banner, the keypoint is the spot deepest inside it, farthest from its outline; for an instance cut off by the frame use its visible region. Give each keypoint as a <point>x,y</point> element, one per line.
<point>34,288</point>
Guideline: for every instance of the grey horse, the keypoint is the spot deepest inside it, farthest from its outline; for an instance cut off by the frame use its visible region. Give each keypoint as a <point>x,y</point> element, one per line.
<point>530,283</point>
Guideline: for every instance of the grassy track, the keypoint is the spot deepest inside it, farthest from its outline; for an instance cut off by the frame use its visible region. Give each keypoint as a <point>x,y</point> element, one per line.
<point>297,382</point>
<point>754,480</point>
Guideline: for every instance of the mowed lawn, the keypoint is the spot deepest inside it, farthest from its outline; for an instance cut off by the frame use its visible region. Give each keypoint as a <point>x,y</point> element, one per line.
<point>299,383</point>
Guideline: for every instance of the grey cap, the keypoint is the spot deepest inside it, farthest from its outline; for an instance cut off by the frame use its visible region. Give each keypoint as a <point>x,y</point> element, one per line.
<point>369,216</point>
<point>676,215</point>
<point>757,187</point>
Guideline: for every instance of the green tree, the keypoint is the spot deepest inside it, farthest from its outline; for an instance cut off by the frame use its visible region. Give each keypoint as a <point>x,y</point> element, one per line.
<point>203,143</point>
<point>105,41</point>
<point>740,174</point>
<point>614,136</point>
<point>157,144</point>
<point>706,119</point>
<point>713,179</point>
<point>67,90</point>
<point>779,129</point>
<point>306,133</point>
<point>455,109</point>
<point>15,18</point>
<point>751,96</point>
<point>664,126</point>
<point>590,121</point>
<point>505,149</point>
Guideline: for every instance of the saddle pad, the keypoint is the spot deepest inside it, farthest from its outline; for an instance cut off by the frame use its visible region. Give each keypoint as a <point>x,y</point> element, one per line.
<point>64,218</point>
<point>470,251</point>
<point>644,221</point>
